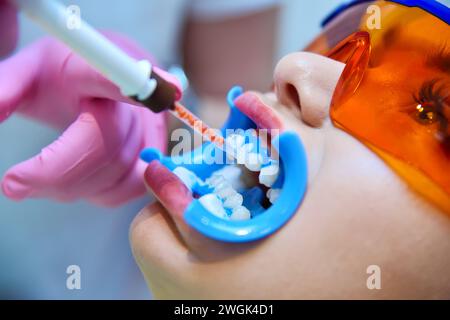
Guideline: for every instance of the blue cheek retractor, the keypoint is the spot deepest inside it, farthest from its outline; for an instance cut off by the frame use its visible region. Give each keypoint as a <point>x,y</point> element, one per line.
<point>293,183</point>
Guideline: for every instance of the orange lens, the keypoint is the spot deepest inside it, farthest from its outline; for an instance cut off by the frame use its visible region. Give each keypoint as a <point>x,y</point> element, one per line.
<point>355,53</point>
<point>394,94</point>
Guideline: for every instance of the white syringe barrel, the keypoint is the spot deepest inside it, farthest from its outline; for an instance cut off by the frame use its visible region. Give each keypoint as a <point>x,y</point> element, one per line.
<point>130,75</point>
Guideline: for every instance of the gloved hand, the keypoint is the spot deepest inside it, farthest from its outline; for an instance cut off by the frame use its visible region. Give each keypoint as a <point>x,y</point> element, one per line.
<point>97,156</point>
<point>8,27</point>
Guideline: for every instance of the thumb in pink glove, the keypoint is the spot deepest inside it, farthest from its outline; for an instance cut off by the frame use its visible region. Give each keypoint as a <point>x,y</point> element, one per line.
<point>8,27</point>
<point>97,156</point>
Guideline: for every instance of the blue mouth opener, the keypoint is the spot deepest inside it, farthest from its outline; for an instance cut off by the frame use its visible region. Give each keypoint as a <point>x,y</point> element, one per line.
<point>292,183</point>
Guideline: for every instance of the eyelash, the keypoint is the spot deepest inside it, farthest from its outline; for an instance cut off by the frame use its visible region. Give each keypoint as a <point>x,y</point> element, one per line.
<point>439,54</point>
<point>431,100</point>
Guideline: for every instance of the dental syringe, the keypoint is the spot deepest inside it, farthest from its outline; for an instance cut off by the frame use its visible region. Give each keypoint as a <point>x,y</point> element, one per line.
<point>135,79</point>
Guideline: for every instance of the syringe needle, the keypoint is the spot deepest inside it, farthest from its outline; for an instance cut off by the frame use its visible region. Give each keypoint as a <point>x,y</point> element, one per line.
<point>187,117</point>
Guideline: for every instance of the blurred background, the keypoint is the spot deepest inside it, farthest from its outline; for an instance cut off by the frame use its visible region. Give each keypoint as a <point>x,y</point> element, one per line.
<point>39,239</point>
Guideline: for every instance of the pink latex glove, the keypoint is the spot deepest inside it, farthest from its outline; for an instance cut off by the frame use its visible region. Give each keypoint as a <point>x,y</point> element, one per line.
<point>8,27</point>
<point>97,156</point>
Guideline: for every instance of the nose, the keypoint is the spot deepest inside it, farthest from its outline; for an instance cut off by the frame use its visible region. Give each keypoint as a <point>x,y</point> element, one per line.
<point>305,82</point>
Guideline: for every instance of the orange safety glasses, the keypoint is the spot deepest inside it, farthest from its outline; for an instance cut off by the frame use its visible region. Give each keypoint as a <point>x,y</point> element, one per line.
<point>394,93</point>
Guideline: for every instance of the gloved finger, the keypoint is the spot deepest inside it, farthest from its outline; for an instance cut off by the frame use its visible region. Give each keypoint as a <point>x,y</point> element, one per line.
<point>114,170</point>
<point>152,134</point>
<point>172,79</point>
<point>93,84</point>
<point>8,27</point>
<point>83,148</point>
<point>129,187</point>
<point>17,76</point>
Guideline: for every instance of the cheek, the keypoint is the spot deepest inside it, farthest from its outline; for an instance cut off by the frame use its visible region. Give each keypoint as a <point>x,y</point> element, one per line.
<point>352,167</point>
<point>353,182</point>
<point>353,190</point>
<point>348,207</point>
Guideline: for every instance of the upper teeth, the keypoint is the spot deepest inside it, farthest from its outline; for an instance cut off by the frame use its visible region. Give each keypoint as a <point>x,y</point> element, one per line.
<point>242,153</point>
<point>273,195</point>
<point>269,174</point>
<point>234,142</point>
<point>254,162</point>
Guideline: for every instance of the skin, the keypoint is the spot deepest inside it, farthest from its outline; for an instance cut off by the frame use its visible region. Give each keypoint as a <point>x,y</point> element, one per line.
<point>370,217</point>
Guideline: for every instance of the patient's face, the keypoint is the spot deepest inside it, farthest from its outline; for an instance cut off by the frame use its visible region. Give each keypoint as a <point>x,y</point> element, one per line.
<point>356,213</point>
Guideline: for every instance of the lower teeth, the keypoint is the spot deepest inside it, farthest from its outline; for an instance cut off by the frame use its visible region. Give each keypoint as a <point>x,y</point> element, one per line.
<point>214,205</point>
<point>188,177</point>
<point>233,201</point>
<point>240,213</point>
<point>224,200</point>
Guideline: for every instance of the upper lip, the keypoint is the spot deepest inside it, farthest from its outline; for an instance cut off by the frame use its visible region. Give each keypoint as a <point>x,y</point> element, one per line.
<point>253,106</point>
